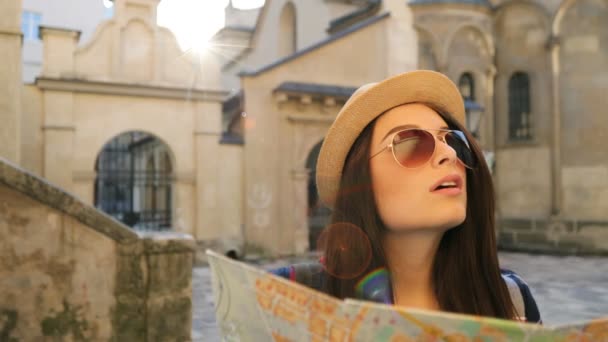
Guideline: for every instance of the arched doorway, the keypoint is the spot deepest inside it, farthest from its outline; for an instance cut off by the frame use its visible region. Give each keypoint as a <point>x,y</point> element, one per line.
<point>134,182</point>
<point>318,214</point>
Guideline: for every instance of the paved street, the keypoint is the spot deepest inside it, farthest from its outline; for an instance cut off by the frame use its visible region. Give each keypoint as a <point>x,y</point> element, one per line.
<point>567,289</point>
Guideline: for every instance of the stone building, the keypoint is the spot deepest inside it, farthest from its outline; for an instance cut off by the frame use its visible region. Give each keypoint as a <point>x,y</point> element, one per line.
<point>223,146</point>
<point>538,69</point>
<point>127,122</point>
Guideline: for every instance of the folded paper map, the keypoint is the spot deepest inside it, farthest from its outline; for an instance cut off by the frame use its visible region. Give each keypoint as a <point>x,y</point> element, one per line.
<point>254,305</point>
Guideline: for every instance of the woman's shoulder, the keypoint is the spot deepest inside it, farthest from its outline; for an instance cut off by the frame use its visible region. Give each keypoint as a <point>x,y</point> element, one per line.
<point>525,298</point>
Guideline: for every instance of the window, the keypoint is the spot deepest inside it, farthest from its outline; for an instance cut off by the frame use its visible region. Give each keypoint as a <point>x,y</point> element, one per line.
<point>520,125</point>
<point>108,11</point>
<point>467,86</point>
<point>30,22</point>
<point>134,181</point>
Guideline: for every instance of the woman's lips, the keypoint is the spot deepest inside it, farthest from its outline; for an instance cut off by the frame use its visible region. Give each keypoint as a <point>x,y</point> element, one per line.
<point>454,179</point>
<point>448,191</point>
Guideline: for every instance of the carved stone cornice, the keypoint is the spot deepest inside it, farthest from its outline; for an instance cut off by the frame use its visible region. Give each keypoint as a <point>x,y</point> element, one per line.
<point>303,118</point>
<point>128,89</point>
<point>10,32</point>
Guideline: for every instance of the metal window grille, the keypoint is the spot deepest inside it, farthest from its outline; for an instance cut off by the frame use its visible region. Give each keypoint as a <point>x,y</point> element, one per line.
<point>520,125</point>
<point>134,181</point>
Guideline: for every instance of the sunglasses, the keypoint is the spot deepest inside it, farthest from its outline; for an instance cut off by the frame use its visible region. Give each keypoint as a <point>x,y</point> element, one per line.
<point>413,147</point>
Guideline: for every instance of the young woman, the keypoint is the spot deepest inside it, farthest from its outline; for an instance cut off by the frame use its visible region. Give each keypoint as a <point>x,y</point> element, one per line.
<point>413,205</point>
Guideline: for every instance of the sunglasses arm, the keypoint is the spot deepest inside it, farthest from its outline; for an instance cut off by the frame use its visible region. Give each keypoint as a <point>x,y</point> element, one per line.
<point>382,150</point>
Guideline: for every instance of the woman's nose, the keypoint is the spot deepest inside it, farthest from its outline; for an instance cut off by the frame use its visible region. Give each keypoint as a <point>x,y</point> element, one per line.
<point>444,153</point>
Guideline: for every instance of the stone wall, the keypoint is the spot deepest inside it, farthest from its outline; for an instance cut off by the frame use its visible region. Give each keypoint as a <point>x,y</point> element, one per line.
<point>69,272</point>
<point>554,236</point>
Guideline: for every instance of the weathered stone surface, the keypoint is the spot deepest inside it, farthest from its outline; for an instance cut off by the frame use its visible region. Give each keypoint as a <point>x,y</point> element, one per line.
<point>169,273</point>
<point>555,236</point>
<point>506,238</point>
<point>536,238</point>
<point>129,319</point>
<point>37,188</point>
<point>170,320</point>
<point>57,274</point>
<point>516,224</point>
<point>168,242</point>
<point>69,272</point>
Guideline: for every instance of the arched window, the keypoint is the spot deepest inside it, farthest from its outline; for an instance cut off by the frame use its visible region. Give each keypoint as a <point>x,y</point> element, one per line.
<point>287,30</point>
<point>318,214</point>
<point>466,85</point>
<point>134,181</point>
<point>520,125</point>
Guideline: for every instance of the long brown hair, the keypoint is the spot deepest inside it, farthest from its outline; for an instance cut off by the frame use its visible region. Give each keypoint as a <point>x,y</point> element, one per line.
<point>466,275</point>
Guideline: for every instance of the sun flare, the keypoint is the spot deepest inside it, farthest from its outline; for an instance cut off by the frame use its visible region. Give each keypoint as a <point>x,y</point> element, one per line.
<point>194,22</point>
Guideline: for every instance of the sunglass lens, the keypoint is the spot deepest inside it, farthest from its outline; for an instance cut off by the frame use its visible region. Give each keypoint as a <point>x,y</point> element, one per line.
<point>458,141</point>
<point>413,147</point>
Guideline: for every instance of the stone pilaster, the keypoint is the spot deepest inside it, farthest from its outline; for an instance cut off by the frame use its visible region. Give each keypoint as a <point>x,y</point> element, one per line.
<point>58,46</point>
<point>300,216</point>
<point>10,74</point>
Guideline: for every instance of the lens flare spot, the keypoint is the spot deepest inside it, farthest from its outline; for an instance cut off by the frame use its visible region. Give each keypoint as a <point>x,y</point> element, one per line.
<point>347,250</point>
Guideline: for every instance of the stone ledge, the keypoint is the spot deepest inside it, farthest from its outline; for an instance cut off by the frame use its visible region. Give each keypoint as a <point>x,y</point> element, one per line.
<point>544,250</point>
<point>40,190</point>
<point>167,242</point>
<point>559,236</point>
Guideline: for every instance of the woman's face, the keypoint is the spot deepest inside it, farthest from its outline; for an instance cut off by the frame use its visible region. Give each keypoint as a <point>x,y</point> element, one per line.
<point>406,199</point>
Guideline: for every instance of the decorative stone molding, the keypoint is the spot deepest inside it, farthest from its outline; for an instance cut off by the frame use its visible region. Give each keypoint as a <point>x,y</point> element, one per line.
<point>58,128</point>
<point>303,118</point>
<point>59,31</point>
<point>84,175</point>
<point>126,89</point>
<point>308,93</point>
<point>4,31</point>
<point>185,178</point>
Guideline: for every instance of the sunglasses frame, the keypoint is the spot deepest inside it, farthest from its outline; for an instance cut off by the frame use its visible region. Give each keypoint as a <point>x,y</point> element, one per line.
<point>435,137</point>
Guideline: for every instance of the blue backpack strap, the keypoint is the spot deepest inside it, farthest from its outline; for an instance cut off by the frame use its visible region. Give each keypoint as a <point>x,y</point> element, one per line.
<point>530,308</point>
<point>308,274</point>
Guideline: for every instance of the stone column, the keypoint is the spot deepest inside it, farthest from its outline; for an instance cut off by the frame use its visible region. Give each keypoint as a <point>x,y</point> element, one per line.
<point>10,74</point>
<point>489,141</point>
<point>299,179</point>
<point>401,38</point>
<point>206,139</point>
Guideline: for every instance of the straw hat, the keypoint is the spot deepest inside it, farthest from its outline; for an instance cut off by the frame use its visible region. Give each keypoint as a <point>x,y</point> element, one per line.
<point>367,103</point>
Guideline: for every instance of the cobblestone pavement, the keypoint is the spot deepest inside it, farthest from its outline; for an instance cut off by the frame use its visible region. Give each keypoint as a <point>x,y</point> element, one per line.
<point>566,289</point>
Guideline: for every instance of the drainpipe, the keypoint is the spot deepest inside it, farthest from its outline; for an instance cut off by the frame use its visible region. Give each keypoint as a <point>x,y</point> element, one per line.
<point>556,174</point>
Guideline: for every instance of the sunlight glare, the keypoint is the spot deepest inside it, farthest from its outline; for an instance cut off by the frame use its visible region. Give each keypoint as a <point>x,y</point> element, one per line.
<point>192,21</point>
<point>247,4</point>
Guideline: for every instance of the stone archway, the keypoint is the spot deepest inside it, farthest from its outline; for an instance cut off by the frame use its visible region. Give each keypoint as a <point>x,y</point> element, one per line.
<point>134,181</point>
<point>318,214</point>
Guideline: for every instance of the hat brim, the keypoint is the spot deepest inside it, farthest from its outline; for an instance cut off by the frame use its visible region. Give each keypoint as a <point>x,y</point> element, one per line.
<point>367,103</point>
